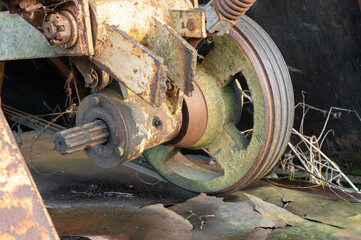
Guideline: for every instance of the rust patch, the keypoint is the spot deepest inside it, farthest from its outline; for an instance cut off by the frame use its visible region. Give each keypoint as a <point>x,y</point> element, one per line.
<point>189,23</point>
<point>138,68</point>
<point>23,215</point>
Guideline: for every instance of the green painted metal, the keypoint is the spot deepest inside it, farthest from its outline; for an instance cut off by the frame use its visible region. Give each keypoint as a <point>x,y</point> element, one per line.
<point>179,56</point>
<point>222,139</point>
<point>239,160</point>
<point>20,40</point>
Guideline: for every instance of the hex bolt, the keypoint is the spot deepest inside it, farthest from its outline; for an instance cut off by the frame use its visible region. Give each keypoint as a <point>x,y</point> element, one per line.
<point>60,29</point>
<point>88,79</point>
<point>157,122</point>
<point>191,25</point>
<point>91,79</point>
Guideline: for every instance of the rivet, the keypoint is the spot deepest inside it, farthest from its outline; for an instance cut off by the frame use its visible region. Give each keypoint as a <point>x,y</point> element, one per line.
<point>191,25</point>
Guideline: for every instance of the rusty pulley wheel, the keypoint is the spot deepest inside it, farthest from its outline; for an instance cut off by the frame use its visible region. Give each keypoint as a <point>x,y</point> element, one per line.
<point>234,152</point>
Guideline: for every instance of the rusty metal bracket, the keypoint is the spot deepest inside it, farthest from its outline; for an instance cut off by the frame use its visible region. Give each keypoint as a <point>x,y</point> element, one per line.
<point>84,44</point>
<point>94,77</point>
<point>23,214</point>
<point>189,23</point>
<point>179,56</point>
<point>151,31</point>
<point>135,66</point>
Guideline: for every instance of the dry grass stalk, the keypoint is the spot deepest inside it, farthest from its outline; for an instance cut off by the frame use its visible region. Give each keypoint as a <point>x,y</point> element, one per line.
<point>320,168</point>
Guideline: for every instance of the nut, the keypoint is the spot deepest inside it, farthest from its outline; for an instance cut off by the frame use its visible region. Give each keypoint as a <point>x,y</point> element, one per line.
<point>91,79</point>
<point>157,122</point>
<point>60,29</point>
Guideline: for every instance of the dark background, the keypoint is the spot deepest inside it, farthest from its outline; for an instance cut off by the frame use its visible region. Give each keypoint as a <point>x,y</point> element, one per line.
<point>321,43</point>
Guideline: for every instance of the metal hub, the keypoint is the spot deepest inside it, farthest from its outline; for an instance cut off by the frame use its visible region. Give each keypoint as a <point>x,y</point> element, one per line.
<point>195,119</point>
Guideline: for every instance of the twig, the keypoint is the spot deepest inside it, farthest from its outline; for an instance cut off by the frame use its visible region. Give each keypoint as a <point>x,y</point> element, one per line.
<point>128,195</point>
<point>325,157</point>
<point>36,138</point>
<point>200,218</point>
<point>148,183</point>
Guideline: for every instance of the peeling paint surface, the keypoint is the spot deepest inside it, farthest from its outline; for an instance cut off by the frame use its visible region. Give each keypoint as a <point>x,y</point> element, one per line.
<point>131,63</point>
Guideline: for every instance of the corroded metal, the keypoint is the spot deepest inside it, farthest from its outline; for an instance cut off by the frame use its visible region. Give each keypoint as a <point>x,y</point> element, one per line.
<point>195,3</point>
<point>135,66</point>
<point>190,23</point>
<point>141,46</point>
<point>28,120</point>
<point>150,30</point>
<point>194,119</point>
<point>233,160</point>
<point>23,214</point>
<point>179,56</point>
<point>133,125</point>
<point>61,29</point>
<point>136,20</point>
<point>94,76</point>
<point>78,138</point>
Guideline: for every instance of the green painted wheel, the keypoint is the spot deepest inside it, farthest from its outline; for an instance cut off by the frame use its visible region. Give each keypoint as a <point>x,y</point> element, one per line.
<point>235,149</point>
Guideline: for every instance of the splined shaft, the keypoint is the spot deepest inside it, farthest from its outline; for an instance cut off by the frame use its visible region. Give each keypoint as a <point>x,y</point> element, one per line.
<point>81,137</point>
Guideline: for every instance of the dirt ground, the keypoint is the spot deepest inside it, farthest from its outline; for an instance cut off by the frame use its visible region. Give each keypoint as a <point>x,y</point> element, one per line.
<point>88,202</point>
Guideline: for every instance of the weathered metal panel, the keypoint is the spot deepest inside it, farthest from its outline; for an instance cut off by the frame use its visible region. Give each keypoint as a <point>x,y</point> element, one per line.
<point>135,18</point>
<point>179,56</point>
<point>22,213</point>
<point>189,23</point>
<point>146,22</point>
<point>131,63</point>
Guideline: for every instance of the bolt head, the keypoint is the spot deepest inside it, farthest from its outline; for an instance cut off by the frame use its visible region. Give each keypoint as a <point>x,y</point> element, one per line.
<point>88,79</point>
<point>191,25</point>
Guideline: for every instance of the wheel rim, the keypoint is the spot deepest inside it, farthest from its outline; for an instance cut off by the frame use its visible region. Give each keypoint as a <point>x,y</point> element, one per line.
<point>250,51</point>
